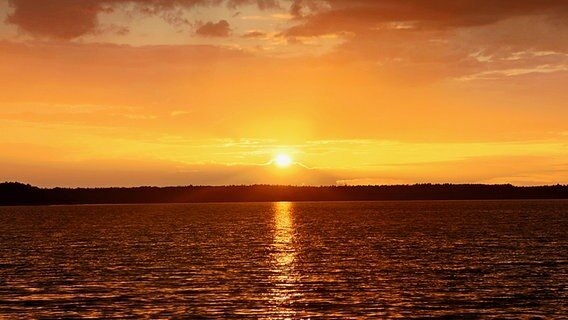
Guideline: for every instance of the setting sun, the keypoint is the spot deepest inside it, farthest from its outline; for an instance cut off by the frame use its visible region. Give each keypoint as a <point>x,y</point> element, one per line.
<point>283,160</point>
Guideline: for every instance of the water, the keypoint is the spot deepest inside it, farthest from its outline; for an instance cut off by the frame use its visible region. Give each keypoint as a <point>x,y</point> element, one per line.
<point>444,259</point>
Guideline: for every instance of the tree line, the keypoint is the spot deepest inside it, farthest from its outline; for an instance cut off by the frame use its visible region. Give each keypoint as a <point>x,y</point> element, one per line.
<point>14,193</point>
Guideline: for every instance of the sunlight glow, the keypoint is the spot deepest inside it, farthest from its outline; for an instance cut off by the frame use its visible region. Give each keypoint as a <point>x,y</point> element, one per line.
<point>283,160</point>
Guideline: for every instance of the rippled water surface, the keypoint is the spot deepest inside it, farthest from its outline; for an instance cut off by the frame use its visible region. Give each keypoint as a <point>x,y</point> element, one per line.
<point>469,259</point>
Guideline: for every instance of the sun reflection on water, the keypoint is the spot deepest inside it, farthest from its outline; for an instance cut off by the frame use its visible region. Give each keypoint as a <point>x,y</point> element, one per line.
<point>284,276</point>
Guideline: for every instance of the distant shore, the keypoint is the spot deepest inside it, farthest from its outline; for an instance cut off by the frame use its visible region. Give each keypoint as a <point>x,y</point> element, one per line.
<point>14,193</point>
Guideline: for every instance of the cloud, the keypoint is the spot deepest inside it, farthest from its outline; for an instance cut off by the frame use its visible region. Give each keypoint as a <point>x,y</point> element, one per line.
<point>456,39</point>
<point>332,16</point>
<point>494,74</point>
<point>372,181</point>
<point>69,19</point>
<point>527,170</point>
<point>254,35</point>
<point>109,172</point>
<point>178,113</point>
<point>60,19</point>
<point>214,29</point>
<point>56,170</point>
<point>382,33</point>
<point>463,40</point>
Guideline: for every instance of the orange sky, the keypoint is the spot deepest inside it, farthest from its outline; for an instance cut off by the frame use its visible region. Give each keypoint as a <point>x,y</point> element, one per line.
<point>177,92</point>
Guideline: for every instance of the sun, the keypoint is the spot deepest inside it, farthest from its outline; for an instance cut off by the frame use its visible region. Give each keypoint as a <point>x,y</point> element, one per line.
<point>283,160</point>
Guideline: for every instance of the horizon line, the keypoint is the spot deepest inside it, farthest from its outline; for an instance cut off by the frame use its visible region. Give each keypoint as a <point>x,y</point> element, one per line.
<point>287,185</point>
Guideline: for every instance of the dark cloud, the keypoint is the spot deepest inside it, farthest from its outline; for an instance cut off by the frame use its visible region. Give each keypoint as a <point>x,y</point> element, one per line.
<point>60,19</point>
<point>424,40</point>
<point>254,34</point>
<point>68,19</point>
<point>359,15</point>
<point>214,29</point>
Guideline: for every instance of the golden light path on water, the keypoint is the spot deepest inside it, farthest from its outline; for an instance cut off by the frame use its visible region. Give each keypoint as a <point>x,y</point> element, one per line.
<point>284,276</point>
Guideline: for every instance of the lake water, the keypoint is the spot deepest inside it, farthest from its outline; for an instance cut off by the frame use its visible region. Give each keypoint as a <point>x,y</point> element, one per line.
<point>444,259</point>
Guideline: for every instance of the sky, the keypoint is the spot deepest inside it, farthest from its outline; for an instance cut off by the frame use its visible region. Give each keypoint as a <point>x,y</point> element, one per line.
<point>179,92</point>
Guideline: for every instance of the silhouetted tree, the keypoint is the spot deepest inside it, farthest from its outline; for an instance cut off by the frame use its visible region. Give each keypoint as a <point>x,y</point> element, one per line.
<point>14,193</point>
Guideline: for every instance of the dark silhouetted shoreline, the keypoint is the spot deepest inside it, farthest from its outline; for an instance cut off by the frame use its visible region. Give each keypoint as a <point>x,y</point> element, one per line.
<point>13,193</point>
